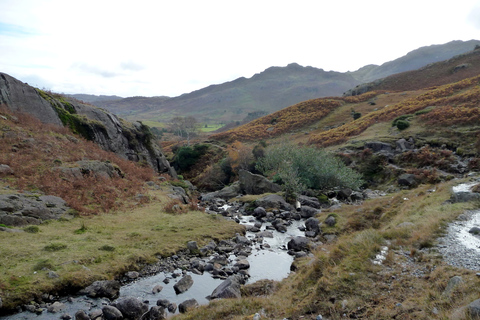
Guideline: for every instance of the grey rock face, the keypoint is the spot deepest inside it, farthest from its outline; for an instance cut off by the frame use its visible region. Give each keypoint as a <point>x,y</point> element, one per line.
<point>131,141</point>
<point>24,209</point>
<point>184,284</point>
<point>24,98</point>
<point>109,289</point>
<point>407,180</point>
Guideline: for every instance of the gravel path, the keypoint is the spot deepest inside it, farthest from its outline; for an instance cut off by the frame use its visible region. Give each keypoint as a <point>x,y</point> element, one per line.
<point>459,247</point>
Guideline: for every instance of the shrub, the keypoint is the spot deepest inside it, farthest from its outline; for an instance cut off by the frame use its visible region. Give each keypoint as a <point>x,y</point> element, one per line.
<point>32,229</point>
<point>402,124</point>
<point>306,167</point>
<point>55,247</point>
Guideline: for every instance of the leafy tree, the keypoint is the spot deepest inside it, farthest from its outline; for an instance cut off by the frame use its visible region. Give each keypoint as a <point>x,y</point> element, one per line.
<point>185,127</point>
<point>306,167</point>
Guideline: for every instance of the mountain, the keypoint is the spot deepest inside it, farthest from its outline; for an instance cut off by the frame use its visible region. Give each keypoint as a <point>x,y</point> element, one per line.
<point>273,89</point>
<point>91,98</point>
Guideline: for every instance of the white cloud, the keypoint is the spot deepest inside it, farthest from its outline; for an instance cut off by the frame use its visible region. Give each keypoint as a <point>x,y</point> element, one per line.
<point>173,47</point>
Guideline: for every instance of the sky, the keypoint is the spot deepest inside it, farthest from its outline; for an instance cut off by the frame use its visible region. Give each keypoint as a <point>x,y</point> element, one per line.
<point>167,48</point>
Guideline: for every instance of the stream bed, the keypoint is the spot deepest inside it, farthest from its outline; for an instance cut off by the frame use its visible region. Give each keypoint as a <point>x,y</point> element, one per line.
<point>268,259</point>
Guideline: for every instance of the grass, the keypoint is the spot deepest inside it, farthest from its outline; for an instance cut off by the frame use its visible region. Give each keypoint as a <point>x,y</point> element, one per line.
<point>98,247</point>
<point>210,127</point>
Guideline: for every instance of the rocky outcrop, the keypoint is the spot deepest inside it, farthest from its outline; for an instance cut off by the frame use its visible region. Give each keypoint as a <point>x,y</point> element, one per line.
<point>132,141</point>
<point>25,209</point>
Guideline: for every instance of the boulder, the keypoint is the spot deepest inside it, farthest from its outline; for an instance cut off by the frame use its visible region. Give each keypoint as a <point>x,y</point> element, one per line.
<point>452,284</point>
<point>155,313</point>
<point>474,230</point>
<point>378,146</point>
<point>242,264</point>
<point>102,289</point>
<point>330,221</point>
<point>273,201</point>
<point>256,184</point>
<point>187,305</point>
<point>82,315</point>
<point>131,308</point>
<point>229,288</point>
<point>56,307</point>
<point>403,145</point>
<point>298,243</point>
<point>172,307</point>
<point>474,309</point>
<point>158,288</point>
<point>309,201</point>
<point>313,225</point>
<point>307,212</point>
<point>184,284</point>
<point>5,170</point>
<point>407,180</point>
<point>109,313</point>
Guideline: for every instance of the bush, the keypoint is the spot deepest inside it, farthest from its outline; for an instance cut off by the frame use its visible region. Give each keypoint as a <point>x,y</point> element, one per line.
<point>402,124</point>
<point>306,167</point>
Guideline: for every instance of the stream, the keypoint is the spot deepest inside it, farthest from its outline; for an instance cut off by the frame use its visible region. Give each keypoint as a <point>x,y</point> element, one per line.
<point>268,260</point>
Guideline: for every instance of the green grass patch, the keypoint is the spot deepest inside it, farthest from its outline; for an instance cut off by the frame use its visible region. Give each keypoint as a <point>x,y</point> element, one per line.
<point>210,127</point>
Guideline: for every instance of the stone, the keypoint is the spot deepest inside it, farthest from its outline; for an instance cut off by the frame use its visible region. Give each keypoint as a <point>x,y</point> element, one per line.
<point>187,305</point>
<point>330,221</point>
<point>474,230</point>
<point>307,212</point>
<point>344,194</point>
<point>81,315</point>
<point>273,201</point>
<point>474,309</point>
<point>229,288</point>
<point>309,201</point>
<point>111,313</point>
<point>132,275</point>
<point>312,224</point>
<point>298,243</point>
<point>66,316</point>
<point>102,289</point>
<point>184,284</point>
<point>131,308</point>
<point>157,289</point>
<point>192,246</point>
<point>378,146</point>
<point>242,264</point>
<point>259,212</point>
<point>256,184</point>
<point>155,313</point>
<point>5,170</point>
<point>96,314</point>
<point>452,284</point>
<point>56,307</point>
<point>407,180</point>
<point>403,145</point>
<point>172,307</point>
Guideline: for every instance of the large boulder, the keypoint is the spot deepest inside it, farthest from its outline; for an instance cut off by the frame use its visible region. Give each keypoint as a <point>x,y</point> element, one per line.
<point>256,184</point>
<point>229,288</point>
<point>155,313</point>
<point>298,243</point>
<point>312,225</point>
<point>183,284</point>
<point>102,289</point>
<point>474,309</point>
<point>131,308</point>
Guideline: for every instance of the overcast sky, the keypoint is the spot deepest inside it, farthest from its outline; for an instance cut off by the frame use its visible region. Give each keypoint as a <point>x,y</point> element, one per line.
<point>153,48</point>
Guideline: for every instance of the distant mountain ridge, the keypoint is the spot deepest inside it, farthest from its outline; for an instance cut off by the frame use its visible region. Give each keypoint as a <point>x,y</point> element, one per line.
<point>273,89</point>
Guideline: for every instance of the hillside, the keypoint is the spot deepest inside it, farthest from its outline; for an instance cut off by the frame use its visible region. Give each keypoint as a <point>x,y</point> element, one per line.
<point>273,89</point>
<point>454,69</point>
